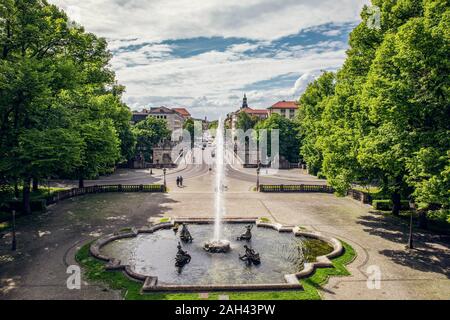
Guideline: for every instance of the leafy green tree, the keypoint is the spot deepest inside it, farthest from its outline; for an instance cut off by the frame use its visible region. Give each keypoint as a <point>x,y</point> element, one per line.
<point>245,121</point>
<point>45,153</point>
<point>149,133</point>
<point>313,103</point>
<point>189,125</point>
<point>288,134</point>
<point>213,125</point>
<point>55,78</point>
<point>101,149</point>
<point>407,100</point>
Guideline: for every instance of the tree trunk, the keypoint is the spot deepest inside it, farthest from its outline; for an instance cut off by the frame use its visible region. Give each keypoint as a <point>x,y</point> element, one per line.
<point>16,190</point>
<point>81,182</point>
<point>396,204</point>
<point>423,220</point>
<point>26,196</point>
<point>35,185</point>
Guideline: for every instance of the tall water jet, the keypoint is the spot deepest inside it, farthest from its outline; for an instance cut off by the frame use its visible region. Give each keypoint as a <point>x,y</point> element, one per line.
<point>218,244</point>
<point>219,181</point>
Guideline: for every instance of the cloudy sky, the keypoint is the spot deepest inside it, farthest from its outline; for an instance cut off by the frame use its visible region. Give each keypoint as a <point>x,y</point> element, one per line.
<point>205,54</point>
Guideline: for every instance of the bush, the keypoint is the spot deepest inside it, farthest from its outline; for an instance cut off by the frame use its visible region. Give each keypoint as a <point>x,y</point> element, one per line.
<point>442,215</point>
<point>386,205</point>
<point>36,205</point>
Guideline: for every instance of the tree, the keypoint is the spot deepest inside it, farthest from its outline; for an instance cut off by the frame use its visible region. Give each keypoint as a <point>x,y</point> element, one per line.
<point>189,125</point>
<point>150,132</point>
<point>245,121</point>
<point>407,100</point>
<point>55,79</point>
<point>101,149</point>
<point>288,134</point>
<point>311,126</point>
<point>386,122</point>
<point>45,153</point>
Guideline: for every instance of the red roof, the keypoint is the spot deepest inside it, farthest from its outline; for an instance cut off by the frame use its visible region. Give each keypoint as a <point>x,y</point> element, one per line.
<point>255,111</point>
<point>285,105</point>
<point>182,111</point>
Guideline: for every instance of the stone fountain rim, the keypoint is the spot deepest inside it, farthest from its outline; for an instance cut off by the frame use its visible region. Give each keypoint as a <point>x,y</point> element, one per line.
<point>150,283</point>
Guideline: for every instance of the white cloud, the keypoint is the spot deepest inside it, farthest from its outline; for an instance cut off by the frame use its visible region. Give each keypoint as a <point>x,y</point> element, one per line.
<point>212,82</point>
<point>213,75</point>
<point>174,19</point>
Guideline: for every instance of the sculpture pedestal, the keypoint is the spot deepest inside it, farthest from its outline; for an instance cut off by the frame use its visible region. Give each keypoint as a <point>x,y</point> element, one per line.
<point>221,246</point>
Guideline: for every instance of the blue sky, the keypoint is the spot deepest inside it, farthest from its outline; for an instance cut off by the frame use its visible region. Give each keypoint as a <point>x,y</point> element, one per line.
<point>204,55</point>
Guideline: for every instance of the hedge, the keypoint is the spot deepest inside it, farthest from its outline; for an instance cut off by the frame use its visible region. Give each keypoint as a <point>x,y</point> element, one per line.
<point>386,205</point>
<point>36,205</point>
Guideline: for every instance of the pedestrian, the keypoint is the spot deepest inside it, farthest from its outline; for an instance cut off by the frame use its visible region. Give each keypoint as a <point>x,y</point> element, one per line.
<point>178,181</point>
<point>181,181</point>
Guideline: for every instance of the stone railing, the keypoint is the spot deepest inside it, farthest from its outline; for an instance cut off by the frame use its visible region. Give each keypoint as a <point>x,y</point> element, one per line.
<point>62,195</point>
<point>299,188</point>
<point>364,197</point>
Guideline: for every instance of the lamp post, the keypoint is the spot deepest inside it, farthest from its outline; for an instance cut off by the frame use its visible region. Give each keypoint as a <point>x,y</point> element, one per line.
<point>165,184</point>
<point>410,240</point>
<point>258,170</point>
<point>14,241</point>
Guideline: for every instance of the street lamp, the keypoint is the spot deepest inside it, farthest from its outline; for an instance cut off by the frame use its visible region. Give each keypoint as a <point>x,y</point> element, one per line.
<point>14,241</point>
<point>164,171</point>
<point>258,170</point>
<point>410,240</point>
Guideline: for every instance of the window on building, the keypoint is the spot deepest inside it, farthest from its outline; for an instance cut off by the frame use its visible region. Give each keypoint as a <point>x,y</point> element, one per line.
<point>291,113</point>
<point>283,113</point>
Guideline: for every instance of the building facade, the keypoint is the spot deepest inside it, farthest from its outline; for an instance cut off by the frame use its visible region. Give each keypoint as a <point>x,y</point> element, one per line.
<point>287,109</point>
<point>232,118</point>
<point>175,119</point>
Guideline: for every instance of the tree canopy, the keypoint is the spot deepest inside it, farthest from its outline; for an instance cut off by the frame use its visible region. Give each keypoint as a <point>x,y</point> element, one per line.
<point>246,121</point>
<point>149,133</point>
<point>383,118</point>
<point>60,105</point>
<point>288,135</point>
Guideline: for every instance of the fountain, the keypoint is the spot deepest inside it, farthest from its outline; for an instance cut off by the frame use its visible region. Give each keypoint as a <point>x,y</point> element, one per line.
<point>217,244</point>
<point>146,254</point>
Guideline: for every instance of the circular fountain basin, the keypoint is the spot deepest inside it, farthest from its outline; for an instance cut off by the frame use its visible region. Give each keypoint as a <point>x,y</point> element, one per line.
<point>153,254</point>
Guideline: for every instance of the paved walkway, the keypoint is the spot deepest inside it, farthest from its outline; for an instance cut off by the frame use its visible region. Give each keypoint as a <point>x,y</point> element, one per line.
<point>47,243</point>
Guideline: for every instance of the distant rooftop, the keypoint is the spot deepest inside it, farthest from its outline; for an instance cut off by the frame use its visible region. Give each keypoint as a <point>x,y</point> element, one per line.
<point>285,105</point>
<point>182,111</point>
<point>254,111</point>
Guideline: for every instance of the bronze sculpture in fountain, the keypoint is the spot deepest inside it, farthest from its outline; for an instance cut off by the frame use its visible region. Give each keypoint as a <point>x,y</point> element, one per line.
<point>247,235</point>
<point>250,256</point>
<point>185,235</point>
<point>182,258</point>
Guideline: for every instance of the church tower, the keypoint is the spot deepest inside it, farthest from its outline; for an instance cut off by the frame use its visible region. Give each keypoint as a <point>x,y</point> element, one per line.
<point>244,102</point>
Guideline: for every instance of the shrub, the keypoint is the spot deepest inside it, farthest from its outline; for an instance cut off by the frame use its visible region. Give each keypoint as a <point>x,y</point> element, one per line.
<point>386,205</point>
<point>36,205</point>
<point>442,215</point>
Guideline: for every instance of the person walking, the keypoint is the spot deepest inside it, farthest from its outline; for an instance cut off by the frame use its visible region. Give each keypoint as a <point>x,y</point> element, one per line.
<point>178,182</point>
<point>181,181</point>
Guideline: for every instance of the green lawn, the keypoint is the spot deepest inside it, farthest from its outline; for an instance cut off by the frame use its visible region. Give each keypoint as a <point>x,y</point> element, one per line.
<point>94,271</point>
